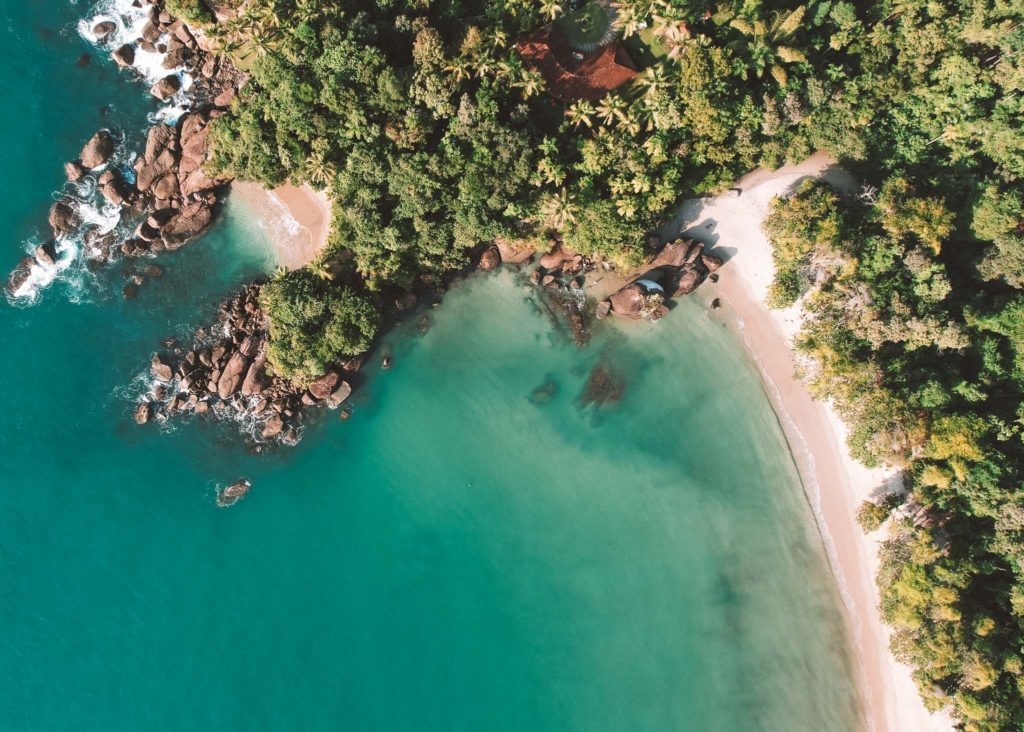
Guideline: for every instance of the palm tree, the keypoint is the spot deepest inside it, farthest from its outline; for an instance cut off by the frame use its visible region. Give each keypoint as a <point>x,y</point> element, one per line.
<point>559,210</point>
<point>306,10</point>
<point>321,267</point>
<point>531,82</point>
<point>460,68</point>
<point>632,120</point>
<point>319,170</point>
<point>499,38</point>
<point>653,80</point>
<point>674,36</point>
<point>765,48</point>
<point>612,107</point>
<point>581,113</point>
<point>628,18</point>
<point>551,9</point>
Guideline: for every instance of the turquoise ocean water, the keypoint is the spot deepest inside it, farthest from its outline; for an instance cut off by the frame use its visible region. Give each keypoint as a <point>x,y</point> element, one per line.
<point>454,557</point>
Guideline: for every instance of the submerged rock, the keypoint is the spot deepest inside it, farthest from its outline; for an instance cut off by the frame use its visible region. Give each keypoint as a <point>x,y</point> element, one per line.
<point>544,393</point>
<point>603,387</point>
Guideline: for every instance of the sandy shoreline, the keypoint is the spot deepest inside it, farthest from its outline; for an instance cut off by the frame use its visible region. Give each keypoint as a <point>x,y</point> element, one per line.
<point>297,219</point>
<point>835,483</point>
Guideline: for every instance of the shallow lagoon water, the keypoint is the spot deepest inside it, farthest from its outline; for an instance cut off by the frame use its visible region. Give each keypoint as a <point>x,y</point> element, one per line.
<point>455,556</point>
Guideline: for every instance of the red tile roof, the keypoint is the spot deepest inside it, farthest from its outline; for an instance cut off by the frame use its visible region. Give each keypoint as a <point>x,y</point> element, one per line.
<point>569,79</point>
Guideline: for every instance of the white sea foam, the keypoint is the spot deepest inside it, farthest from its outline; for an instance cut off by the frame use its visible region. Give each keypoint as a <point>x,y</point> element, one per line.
<point>282,221</point>
<point>149,65</point>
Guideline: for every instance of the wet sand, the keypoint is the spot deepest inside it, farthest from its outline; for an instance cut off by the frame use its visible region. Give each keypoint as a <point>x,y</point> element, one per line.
<point>296,218</point>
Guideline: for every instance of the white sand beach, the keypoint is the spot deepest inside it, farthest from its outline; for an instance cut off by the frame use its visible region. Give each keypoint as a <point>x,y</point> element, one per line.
<point>835,483</point>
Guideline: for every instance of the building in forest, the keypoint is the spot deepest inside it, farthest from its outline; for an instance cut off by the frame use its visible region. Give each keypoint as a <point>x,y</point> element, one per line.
<point>571,75</point>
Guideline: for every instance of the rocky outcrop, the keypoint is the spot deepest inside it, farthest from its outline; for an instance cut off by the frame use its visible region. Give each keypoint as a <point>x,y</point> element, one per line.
<point>490,259</point>
<point>166,88</point>
<point>63,218</point>
<point>194,144</point>
<point>226,376</point>
<point>113,187</point>
<point>514,252</point>
<point>46,254</point>
<point>172,198</point>
<point>186,224</point>
<point>19,275</point>
<point>233,493</point>
<point>98,150</point>
<point>124,56</point>
<point>104,30</point>
<point>160,369</point>
<point>679,268</point>
<point>74,171</point>
<point>556,258</point>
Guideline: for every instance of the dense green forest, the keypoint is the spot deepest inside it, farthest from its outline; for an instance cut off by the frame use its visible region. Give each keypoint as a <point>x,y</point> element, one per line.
<point>433,138</point>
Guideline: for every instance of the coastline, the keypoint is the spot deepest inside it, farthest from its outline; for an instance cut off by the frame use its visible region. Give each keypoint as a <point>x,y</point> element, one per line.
<point>297,219</point>
<point>834,482</point>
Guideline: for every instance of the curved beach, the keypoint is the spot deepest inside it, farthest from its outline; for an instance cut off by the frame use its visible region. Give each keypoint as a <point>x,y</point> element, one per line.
<point>835,483</point>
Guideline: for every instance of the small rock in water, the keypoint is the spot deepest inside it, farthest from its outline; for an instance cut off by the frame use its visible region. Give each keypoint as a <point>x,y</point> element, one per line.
<point>233,493</point>
<point>143,412</point>
<point>713,277</point>
<point>716,303</point>
<point>385,362</point>
<point>103,30</point>
<point>83,61</point>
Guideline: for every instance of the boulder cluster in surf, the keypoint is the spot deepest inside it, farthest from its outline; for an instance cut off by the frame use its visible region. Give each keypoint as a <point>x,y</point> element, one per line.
<point>224,374</point>
<point>167,193</point>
